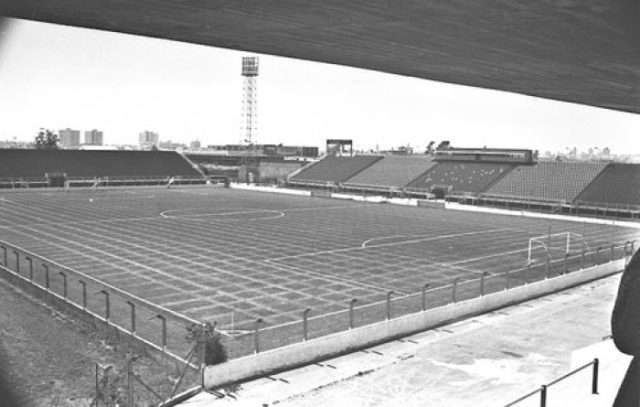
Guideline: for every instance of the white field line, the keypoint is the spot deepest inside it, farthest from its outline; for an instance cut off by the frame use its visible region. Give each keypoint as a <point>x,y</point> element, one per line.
<point>364,244</point>
<point>425,239</point>
<point>279,214</point>
<point>489,256</point>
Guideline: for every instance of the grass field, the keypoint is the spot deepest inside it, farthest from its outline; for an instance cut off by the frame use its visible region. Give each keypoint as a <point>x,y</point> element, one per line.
<point>233,256</point>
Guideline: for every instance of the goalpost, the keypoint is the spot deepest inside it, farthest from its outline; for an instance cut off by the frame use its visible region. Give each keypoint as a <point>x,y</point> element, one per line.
<point>555,244</point>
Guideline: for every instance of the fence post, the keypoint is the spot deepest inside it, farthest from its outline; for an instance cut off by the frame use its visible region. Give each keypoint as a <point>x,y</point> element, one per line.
<point>84,294</point>
<point>484,274</point>
<point>612,252</point>
<point>46,276</point>
<point>597,261</point>
<point>389,294</point>
<point>424,296</point>
<point>305,326</point>
<point>130,401</point>
<point>97,386</point>
<point>582,258</point>
<point>6,264</point>
<point>133,317</point>
<point>202,350</point>
<point>566,265</point>
<point>351,305</point>
<point>64,284</point>
<point>27,258</point>
<point>543,395</point>
<point>164,331</point>
<point>107,305</point>
<point>547,261</point>
<point>594,381</point>
<point>454,289</point>
<point>17,261</point>
<point>256,336</point>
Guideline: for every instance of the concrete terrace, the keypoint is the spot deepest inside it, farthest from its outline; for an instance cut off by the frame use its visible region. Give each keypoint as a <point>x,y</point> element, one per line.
<point>488,360</point>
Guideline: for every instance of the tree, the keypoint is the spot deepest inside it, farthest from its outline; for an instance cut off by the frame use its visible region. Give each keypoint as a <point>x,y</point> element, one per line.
<point>429,149</point>
<point>215,351</point>
<point>46,140</point>
<point>444,145</point>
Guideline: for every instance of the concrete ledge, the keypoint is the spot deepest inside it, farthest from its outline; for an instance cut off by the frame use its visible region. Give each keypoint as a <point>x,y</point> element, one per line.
<point>287,357</point>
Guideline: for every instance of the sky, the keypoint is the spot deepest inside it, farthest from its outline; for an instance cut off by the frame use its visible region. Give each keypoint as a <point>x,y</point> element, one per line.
<point>57,77</point>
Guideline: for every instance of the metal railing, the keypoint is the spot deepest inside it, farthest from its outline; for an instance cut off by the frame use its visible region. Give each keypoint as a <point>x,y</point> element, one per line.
<point>152,325</point>
<point>257,337</point>
<point>543,388</point>
<point>164,330</point>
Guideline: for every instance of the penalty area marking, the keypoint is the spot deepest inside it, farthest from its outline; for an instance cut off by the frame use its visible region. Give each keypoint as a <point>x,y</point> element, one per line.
<point>426,238</point>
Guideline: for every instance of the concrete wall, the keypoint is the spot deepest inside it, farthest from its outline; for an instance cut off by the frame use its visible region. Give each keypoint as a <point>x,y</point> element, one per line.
<point>320,348</point>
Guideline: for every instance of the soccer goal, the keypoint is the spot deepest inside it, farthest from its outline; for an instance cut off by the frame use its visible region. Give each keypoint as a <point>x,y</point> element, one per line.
<point>555,245</point>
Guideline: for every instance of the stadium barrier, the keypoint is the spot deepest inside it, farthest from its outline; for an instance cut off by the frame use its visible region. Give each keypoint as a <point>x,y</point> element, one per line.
<point>127,319</point>
<point>543,388</point>
<point>84,182</point>
<point>360,327</point>
<point>576,208</point>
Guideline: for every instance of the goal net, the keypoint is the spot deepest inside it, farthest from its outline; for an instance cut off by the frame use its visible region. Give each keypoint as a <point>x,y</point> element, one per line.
<point>555,245</point>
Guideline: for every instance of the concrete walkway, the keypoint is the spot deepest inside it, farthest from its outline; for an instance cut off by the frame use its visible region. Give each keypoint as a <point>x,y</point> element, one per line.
<point>488,360</point>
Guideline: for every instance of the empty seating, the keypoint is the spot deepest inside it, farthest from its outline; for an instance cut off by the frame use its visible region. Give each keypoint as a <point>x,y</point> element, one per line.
<point>460,176</point>
<point>552,181</point>
<point>335,169</point>
<point>81,163</point>
<point>618,184</point>
<point>392,171</point>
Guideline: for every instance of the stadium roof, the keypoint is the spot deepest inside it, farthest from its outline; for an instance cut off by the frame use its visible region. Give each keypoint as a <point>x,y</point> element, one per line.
<point>584,51</point>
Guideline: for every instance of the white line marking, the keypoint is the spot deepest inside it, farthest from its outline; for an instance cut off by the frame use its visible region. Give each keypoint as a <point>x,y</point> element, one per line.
<point>364,244</point>
<point>199,216</point>
<point>489,256</point>
<point>425,239</point>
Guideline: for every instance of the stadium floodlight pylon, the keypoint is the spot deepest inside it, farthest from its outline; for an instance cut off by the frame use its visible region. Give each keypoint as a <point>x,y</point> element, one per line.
<point>249,100</point>
<point>551,245</point>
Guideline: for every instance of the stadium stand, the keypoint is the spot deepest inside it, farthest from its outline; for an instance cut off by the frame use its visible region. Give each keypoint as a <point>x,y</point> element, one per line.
<point>549,181</point>
<point>461,176</point>
<point>34,164</point>
<point>617,184</point>
<point>393,171</point>
<point>334,169</point>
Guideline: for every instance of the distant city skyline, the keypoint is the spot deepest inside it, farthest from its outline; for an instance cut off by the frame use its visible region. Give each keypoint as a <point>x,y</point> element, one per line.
<point>61,77</point>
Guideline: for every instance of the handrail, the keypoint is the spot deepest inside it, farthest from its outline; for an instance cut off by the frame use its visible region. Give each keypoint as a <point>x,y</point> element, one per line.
<point>543,388</point>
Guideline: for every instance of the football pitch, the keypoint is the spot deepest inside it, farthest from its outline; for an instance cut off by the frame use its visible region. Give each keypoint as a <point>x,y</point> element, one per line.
<point>235,256</point>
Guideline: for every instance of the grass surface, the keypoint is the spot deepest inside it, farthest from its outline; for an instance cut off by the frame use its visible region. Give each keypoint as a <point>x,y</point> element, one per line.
<point>234,256</point>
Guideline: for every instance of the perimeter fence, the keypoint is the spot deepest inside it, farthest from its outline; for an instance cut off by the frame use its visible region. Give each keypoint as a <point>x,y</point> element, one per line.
<point>424,298</point>
<point>133,319</point>
<point>127,318</point>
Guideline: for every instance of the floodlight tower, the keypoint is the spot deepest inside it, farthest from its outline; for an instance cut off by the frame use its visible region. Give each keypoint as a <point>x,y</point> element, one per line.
<point>249,100</point>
